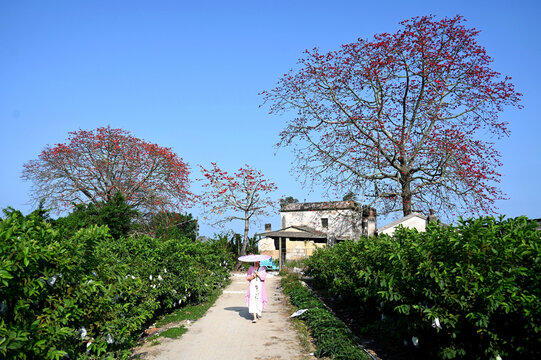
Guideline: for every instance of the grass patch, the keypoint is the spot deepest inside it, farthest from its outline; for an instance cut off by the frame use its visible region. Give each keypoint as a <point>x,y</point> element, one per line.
<point>191,312</point>
<point>174,333</point>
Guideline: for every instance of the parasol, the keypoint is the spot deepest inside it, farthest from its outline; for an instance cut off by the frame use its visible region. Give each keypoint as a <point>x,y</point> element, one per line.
<point>254,257</point>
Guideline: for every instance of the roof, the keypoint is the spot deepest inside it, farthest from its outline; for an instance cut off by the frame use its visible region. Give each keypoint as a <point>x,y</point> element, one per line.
<point>325,205</point>
<point>295,232</point>
<point>300,232</point>
<point>400,221</point>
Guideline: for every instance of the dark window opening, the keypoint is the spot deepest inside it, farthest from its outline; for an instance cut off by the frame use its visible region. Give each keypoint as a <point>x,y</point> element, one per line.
<point>325,223</point>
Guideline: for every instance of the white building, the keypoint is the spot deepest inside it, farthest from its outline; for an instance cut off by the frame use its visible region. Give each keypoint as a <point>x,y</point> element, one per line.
<point>307,226</point>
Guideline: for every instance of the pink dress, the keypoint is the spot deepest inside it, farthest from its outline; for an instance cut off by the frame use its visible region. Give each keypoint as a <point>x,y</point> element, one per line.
<point>262,274</point>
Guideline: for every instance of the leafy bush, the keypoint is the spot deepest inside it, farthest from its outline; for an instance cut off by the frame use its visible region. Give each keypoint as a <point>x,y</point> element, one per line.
<point>88,295</point>
<point>470,291</point>
<point>115,214</point>
<point>331,336</point>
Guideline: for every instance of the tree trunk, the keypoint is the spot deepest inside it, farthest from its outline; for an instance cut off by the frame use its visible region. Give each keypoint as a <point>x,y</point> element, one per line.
<point>244,241</point>
<point>405,182</point>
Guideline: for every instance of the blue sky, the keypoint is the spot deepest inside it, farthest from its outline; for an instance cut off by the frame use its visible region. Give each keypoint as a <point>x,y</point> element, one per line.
<point>187,76</point>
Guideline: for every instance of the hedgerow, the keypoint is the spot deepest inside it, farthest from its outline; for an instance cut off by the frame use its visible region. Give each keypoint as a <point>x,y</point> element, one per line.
<point>89,296</point>
<point>331,336</point>
<point>467,291</point>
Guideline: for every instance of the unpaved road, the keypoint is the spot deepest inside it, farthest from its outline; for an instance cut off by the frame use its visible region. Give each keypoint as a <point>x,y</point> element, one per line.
<point>227,332</point>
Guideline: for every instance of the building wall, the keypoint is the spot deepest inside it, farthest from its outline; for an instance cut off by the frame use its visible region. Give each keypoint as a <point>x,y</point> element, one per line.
<point>340,222</point>
<point>414,223</point>
<point>295,249</point>
<point>300,249</point>
<point>266,247</point>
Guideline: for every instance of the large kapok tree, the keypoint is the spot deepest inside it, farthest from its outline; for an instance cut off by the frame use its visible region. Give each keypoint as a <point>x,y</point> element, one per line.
<point>405,120</point>
<point>242,195</point>
<point>92,166</point>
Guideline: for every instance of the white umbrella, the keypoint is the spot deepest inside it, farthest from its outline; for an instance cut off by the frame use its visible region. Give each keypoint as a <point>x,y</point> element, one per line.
<point>254,257</point>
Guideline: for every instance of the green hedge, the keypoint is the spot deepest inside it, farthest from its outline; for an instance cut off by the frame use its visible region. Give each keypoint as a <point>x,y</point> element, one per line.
<point>331,336</point>
<point>90,296</point>
<point>470,291</point>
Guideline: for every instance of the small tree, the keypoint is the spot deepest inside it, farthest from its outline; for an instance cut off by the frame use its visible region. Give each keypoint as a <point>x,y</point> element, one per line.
<point>94,165</point>
<point>288,200</point>
<point>240,196</point>
<point>115,214</point>
<point>171,225</point>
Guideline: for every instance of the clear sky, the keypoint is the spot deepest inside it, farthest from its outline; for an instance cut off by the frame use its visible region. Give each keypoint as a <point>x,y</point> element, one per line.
<point>186,75</point>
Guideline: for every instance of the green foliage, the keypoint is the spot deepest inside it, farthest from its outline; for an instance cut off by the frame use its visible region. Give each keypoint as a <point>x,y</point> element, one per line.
<point>288,200</point>
<point>115,214</point>
<point>471,291</point>
<point>88,296</point>
<point>170,225</point>
<point>331,336</point>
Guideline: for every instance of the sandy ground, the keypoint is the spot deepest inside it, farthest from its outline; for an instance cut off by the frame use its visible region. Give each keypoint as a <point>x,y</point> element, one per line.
<point>227,332</point>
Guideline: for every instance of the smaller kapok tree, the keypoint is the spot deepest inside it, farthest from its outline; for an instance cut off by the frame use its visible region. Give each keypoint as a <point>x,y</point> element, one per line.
<point>243,195</point>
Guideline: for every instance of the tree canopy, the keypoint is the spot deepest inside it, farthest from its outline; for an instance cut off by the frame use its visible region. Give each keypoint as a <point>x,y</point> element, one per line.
<point>404,120</point>
<point>92,166</point>
<point>243,195</point>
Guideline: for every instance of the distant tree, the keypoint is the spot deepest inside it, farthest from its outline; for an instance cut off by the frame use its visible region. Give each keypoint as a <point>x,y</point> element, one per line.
<point>288,200</point>
<point>171,225</point>
<point>240,196</point>
<point>94,165</point>
<point>402,120</point>
<point>115,214</point>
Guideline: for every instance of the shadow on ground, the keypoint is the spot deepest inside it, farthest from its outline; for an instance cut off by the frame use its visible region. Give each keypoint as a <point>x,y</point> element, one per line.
<point>241,310</point>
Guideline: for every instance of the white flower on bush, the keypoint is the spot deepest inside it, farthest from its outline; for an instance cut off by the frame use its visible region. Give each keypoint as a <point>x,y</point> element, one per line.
<point>179,301</point>
<point>88,344</point>
<point>153,286</point>
<point>89,281</point>
<point>82,332</point>
<point>109,339</point>
<point>436,323</point>
<point>415,341</point>
<point>165,271</point>
<point>160,277</point>
<point>150,277</point>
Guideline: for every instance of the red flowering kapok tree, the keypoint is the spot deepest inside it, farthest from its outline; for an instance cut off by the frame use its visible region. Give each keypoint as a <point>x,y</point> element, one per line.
<point>242,195</point>
<point>405,120</point>
<point>93,165</point>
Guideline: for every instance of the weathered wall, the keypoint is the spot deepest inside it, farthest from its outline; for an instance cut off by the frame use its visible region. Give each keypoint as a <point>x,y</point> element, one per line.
<point>341,223</point>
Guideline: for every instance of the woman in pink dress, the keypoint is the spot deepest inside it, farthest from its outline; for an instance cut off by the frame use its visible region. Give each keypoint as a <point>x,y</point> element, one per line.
<point>256,296</point>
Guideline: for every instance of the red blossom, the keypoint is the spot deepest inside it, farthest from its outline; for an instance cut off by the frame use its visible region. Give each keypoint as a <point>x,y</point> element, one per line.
<point>94,165</point>
<point>397,119</point>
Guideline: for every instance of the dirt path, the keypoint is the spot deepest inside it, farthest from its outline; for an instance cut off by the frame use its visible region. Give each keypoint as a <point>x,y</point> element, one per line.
<point>226,330</point>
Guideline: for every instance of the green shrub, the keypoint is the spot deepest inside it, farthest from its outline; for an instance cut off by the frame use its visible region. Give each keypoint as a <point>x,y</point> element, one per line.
<point>331,336</point>
<point>89,296</point>
<point>470,291</point>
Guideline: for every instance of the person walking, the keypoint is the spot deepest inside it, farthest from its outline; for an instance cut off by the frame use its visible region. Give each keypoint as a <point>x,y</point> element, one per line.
<point>256,296</point>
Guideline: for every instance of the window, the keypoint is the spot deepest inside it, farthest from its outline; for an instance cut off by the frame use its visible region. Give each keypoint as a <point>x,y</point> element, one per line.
<point>325,223</point>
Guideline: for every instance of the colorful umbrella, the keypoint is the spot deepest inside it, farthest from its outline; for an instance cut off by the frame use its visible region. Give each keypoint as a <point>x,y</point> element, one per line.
<point>253,257</point>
